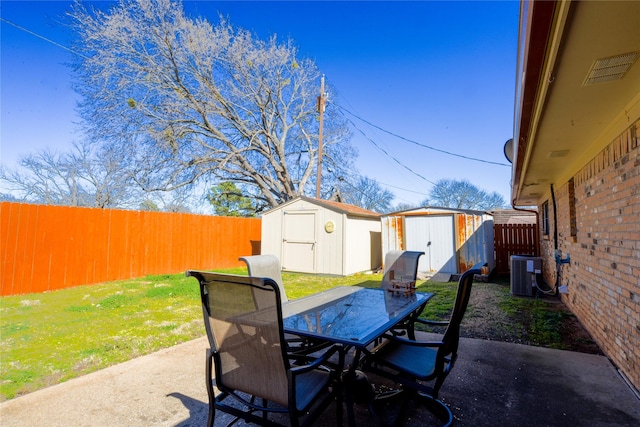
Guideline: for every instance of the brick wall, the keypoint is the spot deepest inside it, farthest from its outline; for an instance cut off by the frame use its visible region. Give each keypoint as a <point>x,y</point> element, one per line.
<point>603,277</point>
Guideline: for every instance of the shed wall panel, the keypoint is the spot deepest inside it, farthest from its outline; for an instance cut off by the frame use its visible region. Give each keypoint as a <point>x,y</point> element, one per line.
<point>331,245</point>
<point>475,234</point>
<point>272,234</point>
<point>392,233</point>
<point>363,245</point>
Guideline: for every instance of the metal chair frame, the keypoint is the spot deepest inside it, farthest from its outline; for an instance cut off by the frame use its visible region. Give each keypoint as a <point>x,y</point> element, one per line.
<point>413,364</point>
<point>295,366</point>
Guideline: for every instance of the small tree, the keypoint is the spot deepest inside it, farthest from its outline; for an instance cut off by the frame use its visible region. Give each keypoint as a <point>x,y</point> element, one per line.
<point>462,195</point>
<point>149,205</point>
<point>228,200</point>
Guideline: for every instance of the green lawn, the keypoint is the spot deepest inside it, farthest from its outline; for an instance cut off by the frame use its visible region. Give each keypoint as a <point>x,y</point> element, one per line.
<point>54,336</point>
<point>51,337</point>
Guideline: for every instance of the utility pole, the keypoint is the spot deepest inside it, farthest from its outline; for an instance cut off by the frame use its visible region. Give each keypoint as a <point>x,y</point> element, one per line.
<point>322,102</point>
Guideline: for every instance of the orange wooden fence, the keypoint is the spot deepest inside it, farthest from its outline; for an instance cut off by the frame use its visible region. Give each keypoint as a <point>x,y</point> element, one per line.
<point>44,248</point>
<point>513,239</point>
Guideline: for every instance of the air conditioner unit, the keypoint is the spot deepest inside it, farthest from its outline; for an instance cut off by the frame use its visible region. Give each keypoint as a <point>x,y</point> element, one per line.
<point>523,274</point>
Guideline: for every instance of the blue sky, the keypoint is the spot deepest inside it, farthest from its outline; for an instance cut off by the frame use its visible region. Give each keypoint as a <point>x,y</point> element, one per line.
<point>441,74</point>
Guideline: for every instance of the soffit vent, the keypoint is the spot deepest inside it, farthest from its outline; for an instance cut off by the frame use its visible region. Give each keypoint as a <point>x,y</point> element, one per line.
<point>610,69</point>
<point>558,153</point>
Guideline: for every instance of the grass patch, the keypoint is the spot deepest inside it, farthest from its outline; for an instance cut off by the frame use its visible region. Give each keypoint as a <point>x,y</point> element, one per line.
<point>52,337</point>
<point>536,320</point>
<point>546,325</point>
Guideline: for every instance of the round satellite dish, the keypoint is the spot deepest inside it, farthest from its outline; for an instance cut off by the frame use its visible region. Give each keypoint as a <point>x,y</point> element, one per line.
<point>508,150</point>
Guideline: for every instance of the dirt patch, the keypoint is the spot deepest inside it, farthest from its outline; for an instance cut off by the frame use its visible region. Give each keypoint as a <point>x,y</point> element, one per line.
<point>494,314</point>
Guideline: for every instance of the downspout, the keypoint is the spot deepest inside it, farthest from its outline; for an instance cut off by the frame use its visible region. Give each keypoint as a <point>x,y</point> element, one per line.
<point>555,220</point>
<point>537,243</point>
<point>556,252</point>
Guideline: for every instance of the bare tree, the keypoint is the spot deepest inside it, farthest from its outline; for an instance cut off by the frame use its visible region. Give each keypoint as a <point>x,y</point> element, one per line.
<point>190,100</point>
<point>86,176</point>
<point>462,195</point>
<point>366,193</point>
<point>405,207</point>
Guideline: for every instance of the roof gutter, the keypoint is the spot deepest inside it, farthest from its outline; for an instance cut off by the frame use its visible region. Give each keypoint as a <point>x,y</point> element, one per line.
<point>535,33</point>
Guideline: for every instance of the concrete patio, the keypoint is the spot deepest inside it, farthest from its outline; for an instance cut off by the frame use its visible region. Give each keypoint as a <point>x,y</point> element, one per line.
<point>493,383</point>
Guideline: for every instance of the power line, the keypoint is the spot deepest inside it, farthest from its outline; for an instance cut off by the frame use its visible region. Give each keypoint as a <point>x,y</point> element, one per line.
<point>415,142</point>
<point>386,153</point>
<point>404,189</point>
<point>26,30</point>
<point>422,193</point>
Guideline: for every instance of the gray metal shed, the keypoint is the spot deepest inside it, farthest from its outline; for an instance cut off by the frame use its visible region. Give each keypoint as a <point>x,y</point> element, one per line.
<point>453,240</point>
<point>324,237</point>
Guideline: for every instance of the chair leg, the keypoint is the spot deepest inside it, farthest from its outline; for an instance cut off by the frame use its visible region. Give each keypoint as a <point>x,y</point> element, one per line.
<point>264,405</point>
<point>436,386</point>
<point>339,403</point>
<point>212,410</point>
<point>404,396</point>
<point>438,408</point>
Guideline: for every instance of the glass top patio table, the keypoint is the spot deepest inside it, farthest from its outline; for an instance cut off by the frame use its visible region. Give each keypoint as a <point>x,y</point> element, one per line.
<point>350,315</point>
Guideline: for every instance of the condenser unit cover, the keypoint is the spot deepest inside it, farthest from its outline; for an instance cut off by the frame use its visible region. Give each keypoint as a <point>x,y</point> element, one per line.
<point>523,274</point>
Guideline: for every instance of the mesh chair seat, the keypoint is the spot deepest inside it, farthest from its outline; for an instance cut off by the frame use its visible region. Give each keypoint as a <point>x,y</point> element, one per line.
<point>415,361</point>
<point>309,385</point>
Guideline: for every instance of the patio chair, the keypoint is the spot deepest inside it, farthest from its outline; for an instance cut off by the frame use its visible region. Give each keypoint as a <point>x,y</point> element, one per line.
<point>269,266</point>
<point>413,364</point>
<point>253,371</point>
<point>266,266</point>
<point>402,266</point>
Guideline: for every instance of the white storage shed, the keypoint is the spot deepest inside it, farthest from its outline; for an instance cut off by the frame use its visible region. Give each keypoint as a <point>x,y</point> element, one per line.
<point>453,240</point>
<point>324,237</point>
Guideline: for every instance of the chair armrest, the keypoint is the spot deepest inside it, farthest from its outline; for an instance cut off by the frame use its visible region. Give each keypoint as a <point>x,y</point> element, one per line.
<point>432,322</point>
<point>313,363</point>
<point>394,338</point>
<point>299,345</point>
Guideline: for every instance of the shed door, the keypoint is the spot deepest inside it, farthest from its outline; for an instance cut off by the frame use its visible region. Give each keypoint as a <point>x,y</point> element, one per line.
<point>299,241</point>
<point>433,235</point>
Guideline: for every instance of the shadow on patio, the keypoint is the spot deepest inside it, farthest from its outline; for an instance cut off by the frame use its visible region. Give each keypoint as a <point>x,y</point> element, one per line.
<point>492,383</point>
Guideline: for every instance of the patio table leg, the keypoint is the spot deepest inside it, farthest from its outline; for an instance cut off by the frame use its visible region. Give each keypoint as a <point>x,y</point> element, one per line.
<point>356,387</point>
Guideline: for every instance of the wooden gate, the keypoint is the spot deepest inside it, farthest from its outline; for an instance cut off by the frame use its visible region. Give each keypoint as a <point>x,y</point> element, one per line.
<point>513,239</point>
